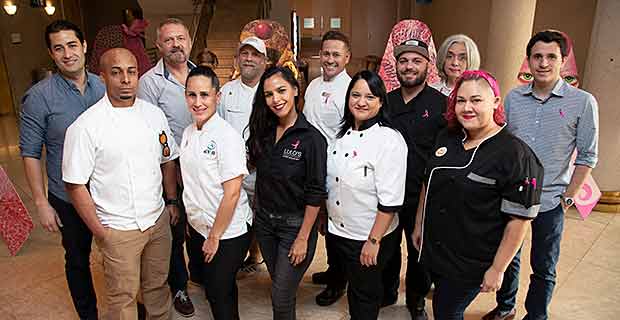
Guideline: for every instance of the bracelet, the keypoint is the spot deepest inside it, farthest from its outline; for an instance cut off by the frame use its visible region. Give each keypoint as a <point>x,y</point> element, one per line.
<point>174,202</point>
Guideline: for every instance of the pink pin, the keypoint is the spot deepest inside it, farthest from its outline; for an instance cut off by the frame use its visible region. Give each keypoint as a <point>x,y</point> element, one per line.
<point>562,113</point>
<point>425,115</point>
<point>534,182</point>
<point>296,144</point>
<point>354,153</point>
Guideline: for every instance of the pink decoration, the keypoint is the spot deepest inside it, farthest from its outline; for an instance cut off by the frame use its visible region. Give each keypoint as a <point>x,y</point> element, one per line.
<point>263,30</point>
<point>402,31</point>
<point>15,222</point>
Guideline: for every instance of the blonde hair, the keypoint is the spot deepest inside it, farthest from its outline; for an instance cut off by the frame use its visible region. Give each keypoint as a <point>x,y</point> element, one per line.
<point>473,55</point>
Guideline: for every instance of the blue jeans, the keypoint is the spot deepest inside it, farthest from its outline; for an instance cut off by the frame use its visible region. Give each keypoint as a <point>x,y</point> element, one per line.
<point>546,235</point>
<point>451,298</point>
<point>275,235</point>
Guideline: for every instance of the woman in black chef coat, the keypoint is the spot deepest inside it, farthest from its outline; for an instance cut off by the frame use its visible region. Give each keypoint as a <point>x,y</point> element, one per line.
<point>289,155</point>
<point>482,189</point>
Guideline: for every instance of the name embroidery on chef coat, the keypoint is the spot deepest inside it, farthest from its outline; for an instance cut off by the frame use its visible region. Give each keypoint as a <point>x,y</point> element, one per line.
<point>292,153</point>
<point>211,150</point>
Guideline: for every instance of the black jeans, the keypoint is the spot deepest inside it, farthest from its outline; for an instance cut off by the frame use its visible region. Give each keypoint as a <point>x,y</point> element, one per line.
<point>77,240</point>
<point>417,278</point>
<point>275,235</point>
<point>220,274</point>
<point>177,276</point>
<point>365,291</point>
<point>335,267</point>
<point>451,298</point>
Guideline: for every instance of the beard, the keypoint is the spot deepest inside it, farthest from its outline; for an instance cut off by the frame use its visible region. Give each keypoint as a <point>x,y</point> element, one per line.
<point>417,81</point>
<point>176,56</point>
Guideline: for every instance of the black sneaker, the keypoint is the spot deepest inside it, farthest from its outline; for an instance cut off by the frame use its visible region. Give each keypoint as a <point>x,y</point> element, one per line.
<point>249,267</point>
<point>183,304</point>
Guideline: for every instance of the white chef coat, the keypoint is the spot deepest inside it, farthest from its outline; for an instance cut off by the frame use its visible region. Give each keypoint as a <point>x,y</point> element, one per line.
<point>236,105</point>
<point>366,172</point>
<point>325,103</point>
<point>210,157</point>
<point>119,153</point>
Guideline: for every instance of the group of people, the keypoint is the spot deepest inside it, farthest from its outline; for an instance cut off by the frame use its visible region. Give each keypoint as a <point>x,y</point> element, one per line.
<point>144,164</point>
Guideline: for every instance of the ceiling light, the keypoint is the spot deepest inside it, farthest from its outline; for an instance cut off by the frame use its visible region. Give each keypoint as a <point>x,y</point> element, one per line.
<point>10,8</point>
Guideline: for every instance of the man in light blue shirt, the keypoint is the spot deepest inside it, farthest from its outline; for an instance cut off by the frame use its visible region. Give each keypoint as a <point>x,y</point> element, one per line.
<point>164,86</point>
<point>554,119</point>
<point>48,108</point>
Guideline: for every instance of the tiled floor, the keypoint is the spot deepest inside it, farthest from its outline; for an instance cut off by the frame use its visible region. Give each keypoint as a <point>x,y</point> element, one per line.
<point>32,285</point>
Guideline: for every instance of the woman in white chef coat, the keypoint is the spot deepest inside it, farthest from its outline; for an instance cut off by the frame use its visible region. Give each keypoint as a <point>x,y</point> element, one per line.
<point>366,169</point>
<point>213,164</point>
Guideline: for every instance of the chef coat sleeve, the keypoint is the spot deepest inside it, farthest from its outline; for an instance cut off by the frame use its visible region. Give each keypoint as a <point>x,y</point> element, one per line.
<point>391,173</point>
<point>316,170</point>
<point>232,161</point>
<point>522,187</point>
<point>78,160</point>
<point>174,148</point>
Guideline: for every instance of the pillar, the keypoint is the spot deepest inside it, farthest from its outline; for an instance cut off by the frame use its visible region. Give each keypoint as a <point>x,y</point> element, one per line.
<point>602,79</point>
<point>510,28</point>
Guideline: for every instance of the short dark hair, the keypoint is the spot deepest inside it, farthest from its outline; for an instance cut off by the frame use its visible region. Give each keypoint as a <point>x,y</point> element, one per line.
<point>548,36</point>
<point>336,35</point>
<point>61,25</point>
<point>205,72</point>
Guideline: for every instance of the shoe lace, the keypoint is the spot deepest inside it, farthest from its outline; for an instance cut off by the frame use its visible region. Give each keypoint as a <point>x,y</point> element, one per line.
<point>182,296</point>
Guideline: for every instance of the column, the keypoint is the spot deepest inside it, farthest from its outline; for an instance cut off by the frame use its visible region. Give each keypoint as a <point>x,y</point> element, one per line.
<point>602,79</point>
<point>510,28</point>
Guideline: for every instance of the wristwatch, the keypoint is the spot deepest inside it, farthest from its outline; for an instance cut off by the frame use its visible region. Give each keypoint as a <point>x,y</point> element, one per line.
<point>569,201</point>
<point>373,240</point>
<point>172,202</point>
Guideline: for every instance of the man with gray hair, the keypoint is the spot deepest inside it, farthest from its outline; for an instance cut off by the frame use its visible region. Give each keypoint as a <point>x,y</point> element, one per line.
<point>164,86</point>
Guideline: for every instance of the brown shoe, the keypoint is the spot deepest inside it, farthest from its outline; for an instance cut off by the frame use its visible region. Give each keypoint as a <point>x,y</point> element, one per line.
<point>495,314</point>
<point>183,304</point>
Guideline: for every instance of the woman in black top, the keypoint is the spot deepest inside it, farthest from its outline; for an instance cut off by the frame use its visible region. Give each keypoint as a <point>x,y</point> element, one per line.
<point>289,155</point>
<point>483,188</point>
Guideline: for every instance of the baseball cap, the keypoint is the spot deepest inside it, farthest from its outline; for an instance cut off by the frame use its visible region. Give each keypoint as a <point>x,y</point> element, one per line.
<point>412,45</point>
<point>256,43</point>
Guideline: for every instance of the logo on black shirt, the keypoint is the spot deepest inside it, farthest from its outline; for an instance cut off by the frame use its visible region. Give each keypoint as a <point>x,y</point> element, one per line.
<point>291,154</point>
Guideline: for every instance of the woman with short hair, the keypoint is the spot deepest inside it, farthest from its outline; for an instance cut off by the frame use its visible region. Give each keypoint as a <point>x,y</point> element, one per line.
<point>456,54</point>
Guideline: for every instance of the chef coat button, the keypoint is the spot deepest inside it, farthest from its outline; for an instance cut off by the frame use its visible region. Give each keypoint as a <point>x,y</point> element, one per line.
<point>346,155</point>
<point>342,225</point>
<point>337,179</point>
<point>361,135</point>
<point>337,203</point>
<point>334,152</point>
<point>330,218</point>
<point>348,132</point>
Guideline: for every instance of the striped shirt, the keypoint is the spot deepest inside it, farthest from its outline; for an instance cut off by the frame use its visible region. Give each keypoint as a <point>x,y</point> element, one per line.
<point>554,128</point>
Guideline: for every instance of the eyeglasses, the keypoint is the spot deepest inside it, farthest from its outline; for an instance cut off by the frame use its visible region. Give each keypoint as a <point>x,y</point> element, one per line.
<point>163,140</point>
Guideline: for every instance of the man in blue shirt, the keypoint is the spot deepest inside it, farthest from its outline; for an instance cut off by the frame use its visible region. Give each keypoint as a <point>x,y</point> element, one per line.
<point>48,108</point>
<point>164,86</point>
<point>554,119</point>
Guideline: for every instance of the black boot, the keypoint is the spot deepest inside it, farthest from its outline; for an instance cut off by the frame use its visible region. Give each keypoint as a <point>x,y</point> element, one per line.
<point>416,309</point>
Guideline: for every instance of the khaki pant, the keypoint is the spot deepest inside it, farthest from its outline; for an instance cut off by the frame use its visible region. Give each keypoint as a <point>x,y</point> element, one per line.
<point>133,261</point>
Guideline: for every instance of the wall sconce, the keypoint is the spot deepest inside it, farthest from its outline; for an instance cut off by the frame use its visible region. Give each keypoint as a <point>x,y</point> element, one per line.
<point>10,8</point>
<point>50,9</point>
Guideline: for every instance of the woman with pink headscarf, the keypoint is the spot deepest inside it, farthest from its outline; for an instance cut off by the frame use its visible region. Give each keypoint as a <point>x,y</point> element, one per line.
<point>482,189</point>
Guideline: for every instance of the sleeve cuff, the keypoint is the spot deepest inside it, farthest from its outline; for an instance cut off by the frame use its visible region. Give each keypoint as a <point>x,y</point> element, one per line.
<point>389,209</point>
<point>315,200</point>
<point>519,210</point>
